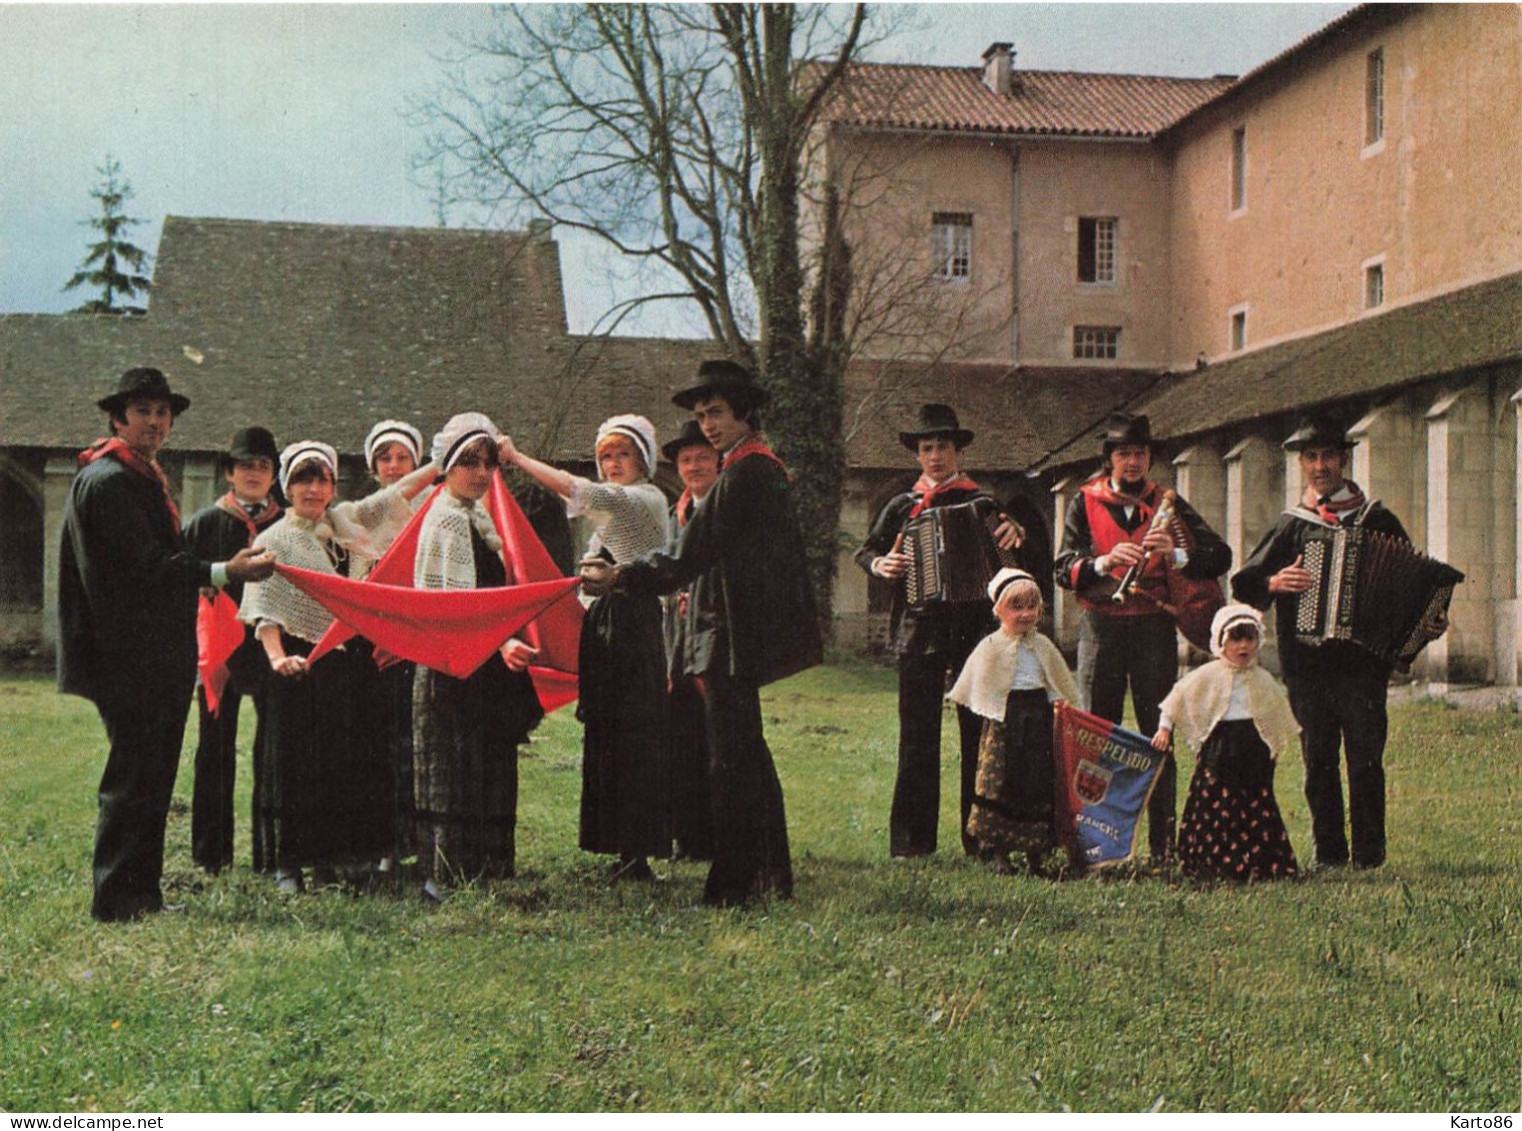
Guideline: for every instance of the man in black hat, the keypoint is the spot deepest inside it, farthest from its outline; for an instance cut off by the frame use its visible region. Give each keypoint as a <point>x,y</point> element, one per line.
<point>1110,531</point>
<point>750,620</point>
<point>127,590</point>
<point>216,533</point>
<point>931,640</point>
<point>1337,689</point>
<point>697,465</point>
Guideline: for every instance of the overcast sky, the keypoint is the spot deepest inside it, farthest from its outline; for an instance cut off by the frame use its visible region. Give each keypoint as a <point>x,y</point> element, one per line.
<point>297,112</point>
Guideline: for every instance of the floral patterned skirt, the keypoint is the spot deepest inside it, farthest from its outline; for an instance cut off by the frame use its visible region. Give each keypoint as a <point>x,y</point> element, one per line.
<point>1231,828</point>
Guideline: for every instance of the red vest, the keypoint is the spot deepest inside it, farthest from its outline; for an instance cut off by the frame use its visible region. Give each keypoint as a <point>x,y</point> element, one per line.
<point>1151,589</point>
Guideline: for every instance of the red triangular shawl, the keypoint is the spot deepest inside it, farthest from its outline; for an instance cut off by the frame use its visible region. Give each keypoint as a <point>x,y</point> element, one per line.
<point>219,632</point>
<point>455,631</point>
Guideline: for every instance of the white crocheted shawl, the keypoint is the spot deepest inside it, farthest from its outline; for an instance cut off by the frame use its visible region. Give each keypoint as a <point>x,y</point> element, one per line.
<point>1199,701</point>
<point>445,559</point>
<point>630,521</point>
<point>989,674</point>
<point>298,542</point>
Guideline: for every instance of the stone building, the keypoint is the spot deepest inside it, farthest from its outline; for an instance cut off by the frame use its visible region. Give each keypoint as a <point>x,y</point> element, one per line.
<point>1340,228</point>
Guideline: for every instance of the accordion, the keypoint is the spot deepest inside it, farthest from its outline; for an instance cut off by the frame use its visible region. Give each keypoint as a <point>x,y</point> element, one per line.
<point>952,553</point>
<point>1375,590</point>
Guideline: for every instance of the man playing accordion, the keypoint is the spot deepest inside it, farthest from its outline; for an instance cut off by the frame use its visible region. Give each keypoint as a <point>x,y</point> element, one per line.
<point>934,636</point>
<point>1336,687</point>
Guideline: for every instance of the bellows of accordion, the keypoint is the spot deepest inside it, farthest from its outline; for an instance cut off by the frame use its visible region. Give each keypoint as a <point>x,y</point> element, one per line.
<point>1375,590</point>
<point>952,553</point>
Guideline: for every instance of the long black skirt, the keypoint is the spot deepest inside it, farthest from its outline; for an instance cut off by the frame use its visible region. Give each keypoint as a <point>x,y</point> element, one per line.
<point>1014,801</point>
<point>622,706</point>
<point>1231,828</point>
<point>466,734</point>
<point>322,782</point>
<point>395,683</point>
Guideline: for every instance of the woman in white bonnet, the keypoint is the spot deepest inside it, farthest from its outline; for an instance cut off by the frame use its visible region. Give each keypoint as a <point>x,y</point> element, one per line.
<point>393,450</point>
<point>466,732</point>
<point>322,785</point>
<point>1238,720</point>
<point>622,657</point>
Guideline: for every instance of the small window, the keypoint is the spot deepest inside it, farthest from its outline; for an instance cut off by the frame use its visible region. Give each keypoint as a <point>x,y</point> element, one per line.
<point>1096,343</point>
<point>1373,286</point>
<point>1239,168</point>
<point>1374,97</point>
<point>1096,249</point>
<point>951,245</point>
<point>1239,329</point>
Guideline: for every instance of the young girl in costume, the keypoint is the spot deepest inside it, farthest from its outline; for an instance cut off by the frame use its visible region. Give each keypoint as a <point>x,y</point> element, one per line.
<point>622,653</point>
<point>1238,720</point>
<point>1011,679</point>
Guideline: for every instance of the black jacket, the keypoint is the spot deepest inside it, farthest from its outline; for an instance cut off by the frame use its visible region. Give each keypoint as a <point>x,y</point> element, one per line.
<point>939,627</point>
<point>127,589</point>
<point>1283,543</point>
<point>751,614</point>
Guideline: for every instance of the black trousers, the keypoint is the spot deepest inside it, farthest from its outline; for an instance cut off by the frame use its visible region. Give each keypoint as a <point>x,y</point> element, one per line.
<point>1142,652</point>
<point>216,765</point>
<point>750,852</point>
<point>135,791</point>
<point>1339,702</point>
<point>917,791</point>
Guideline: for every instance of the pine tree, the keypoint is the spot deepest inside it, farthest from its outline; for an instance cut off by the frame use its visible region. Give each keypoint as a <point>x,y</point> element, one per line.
<point>114,264</point>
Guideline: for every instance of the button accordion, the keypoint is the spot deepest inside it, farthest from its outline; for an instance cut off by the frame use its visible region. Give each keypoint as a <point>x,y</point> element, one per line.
<point>952,553</point>
<point>1373,589</point>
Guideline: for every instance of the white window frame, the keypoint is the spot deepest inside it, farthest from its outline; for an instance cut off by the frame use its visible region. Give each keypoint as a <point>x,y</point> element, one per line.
<point>1106,251</point>
<point>1374,102</point>
<point>1096,343</point>
<point>1373,271</point>
<point>1237,182</point>
<point>1236,328</point>
<point>951,247</point>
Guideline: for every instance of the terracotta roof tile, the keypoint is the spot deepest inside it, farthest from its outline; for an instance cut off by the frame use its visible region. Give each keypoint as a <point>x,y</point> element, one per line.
<point>955,99</point>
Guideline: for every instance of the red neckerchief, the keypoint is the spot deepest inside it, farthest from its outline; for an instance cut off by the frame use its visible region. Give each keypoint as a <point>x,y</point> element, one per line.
<point>684,507</point>
<point>754,446</point>
<point>129,458</point>
<point>229,503</point>
<point>1145,504</point>
<point>928,489</point>
<point>1332,510</point>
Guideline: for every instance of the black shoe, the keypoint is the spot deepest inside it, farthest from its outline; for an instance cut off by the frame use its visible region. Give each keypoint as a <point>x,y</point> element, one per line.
<point>631,871</point>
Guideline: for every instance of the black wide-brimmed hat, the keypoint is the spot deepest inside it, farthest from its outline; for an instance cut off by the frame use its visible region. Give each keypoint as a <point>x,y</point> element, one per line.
<point>721,377</point>
<point>1321,430</point>
<point>936,420</point>
<point>142,384</point>
<point>691,437</point>
<point>1124,428</point>
<point>252,443</point>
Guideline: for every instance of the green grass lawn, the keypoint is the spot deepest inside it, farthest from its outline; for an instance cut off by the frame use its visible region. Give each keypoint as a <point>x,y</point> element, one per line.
<point>924,985</point>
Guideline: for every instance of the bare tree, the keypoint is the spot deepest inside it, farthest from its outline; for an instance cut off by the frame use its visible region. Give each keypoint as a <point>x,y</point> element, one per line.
<point>677,134</point>
<point>114,263</point>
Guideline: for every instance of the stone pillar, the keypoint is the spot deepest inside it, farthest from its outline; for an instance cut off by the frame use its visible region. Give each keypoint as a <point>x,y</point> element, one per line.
<point>851,597</point>
<point>1509,607</point>
<point>1255,474</point>
<point>57,478</point>
<point>1389,464</point>
<point>1461,530</point>
<point>1065,607</point>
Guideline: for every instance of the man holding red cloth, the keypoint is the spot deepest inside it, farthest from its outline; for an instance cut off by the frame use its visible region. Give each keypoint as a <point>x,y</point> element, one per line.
<point>1110,531</point>
<point>127,591</point>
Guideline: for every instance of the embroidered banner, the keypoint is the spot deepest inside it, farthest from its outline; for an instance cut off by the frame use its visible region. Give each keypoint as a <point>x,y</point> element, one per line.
<point>1105,776</point>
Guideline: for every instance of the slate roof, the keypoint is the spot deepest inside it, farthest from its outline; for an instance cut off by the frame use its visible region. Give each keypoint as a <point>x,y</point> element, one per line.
<point>1069,103</point>
<point>1018,414</point>
<point>1456,333</point>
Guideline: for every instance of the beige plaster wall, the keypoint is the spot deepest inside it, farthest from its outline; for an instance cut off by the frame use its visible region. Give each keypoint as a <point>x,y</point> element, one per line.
<point>1440,198</point>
